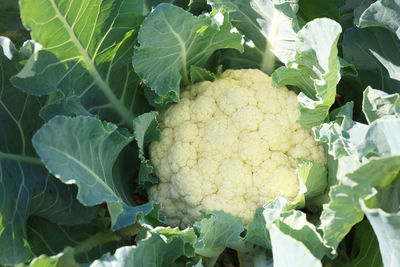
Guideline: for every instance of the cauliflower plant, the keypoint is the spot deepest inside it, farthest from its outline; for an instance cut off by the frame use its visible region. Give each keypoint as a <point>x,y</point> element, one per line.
<point>229,145</point>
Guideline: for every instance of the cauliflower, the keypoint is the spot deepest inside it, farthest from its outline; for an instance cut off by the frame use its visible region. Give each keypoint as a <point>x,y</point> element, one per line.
<point>229,145</point>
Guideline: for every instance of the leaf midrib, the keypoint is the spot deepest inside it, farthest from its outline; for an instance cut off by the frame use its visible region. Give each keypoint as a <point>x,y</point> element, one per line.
<point>183,51</point>
<point>125,114</point>
<point>86,168</point>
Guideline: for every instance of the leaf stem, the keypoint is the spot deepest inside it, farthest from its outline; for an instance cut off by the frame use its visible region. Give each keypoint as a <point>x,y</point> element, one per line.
<point>20,158</point>
<point>105,237</point>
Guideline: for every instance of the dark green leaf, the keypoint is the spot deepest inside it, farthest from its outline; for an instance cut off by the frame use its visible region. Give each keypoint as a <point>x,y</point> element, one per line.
<point>26,187</point>
<point>85,57</point>
<point>373,51</point>
<point>82,151</point>
<point>10,22</point>
<point>169,47</point>
<point>312,9</point>
<point>146,130</point>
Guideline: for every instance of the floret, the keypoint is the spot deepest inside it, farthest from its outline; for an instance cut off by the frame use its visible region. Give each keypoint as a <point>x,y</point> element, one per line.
<point>230,145</point>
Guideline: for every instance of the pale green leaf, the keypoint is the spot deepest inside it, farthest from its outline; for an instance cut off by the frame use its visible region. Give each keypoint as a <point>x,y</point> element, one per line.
<point>288,252</point>
<point>269,27</point>
<point>315,69</point>
<point>314,177</point>
<point>382,13</point>
<point>383,212</point>
<point>292,238</point>
<point>65,258</point>
<point>377,104</point>
<point>367,156</point>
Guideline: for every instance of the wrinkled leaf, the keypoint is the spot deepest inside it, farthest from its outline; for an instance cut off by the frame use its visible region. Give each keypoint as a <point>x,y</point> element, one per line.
<point>217,231</point>
<point>315,69</point>
<point>293,239</point>
<point>377,104</point>
<point>368,156</point>
<point>156,249</point>
<point>176,46</point>
<point>146,130</point>
<point>198,74</point>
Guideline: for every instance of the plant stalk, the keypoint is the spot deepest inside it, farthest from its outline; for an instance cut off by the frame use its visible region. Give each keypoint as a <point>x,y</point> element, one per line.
<point>105,237</point>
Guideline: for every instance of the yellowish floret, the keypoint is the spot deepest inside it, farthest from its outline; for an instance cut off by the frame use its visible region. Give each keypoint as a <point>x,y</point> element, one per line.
<point>229,145</point>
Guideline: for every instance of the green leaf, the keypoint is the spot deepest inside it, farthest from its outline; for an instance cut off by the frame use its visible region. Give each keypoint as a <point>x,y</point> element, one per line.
<point>269,27</point>
<point>82,151</point>
<point>377,104</point>
<point>217,231</point>
<point>156,249</point>
<point>294,224</point>
<point>287,251</point>
<point>314,176</point>
<point>198,74</point>
<point>315,69</point>
<point>386,227</point>
<point>382,210</point>
<point>372,48</point>
<point>382,13</point>
<point>367,242</point>
<point>86,54</point>
<point>373,53</point>
<point>146,130</point>
<point>257,232</point>
<point>27,188</point>
<point>293,239</point>
<point>50,238</point>
<point>368,156</point>
<point>169,47</point>
<point>312,9</point>
<point>362,251</point>
<point>65,258</point>
<point>188,236</point>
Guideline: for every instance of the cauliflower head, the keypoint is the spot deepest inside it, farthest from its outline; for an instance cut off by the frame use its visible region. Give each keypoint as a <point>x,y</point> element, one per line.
<point>229,145</point>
